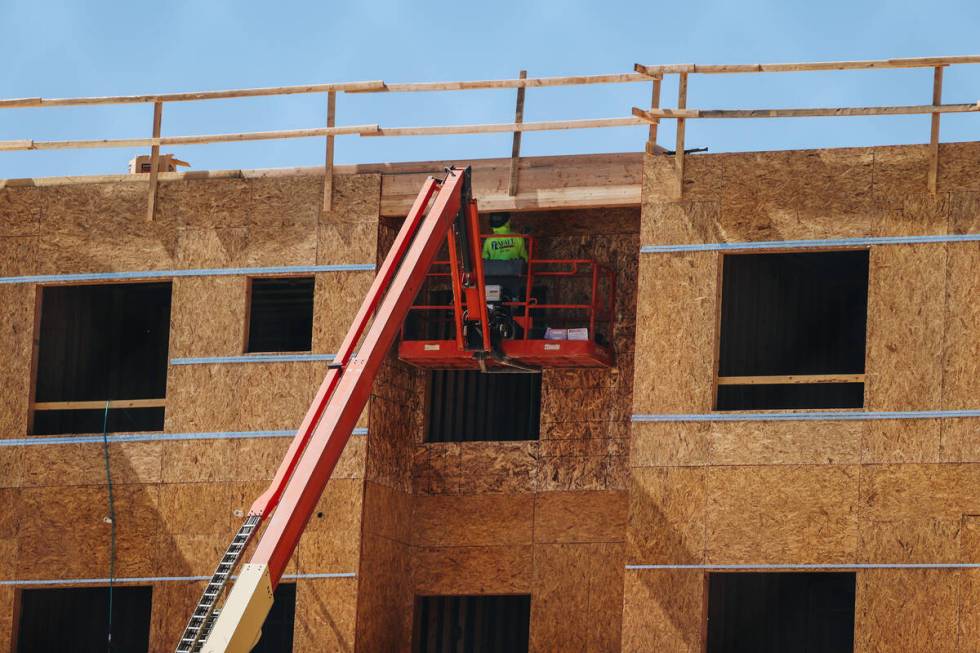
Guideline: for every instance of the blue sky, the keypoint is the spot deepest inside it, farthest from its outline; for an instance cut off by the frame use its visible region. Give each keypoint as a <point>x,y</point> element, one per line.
<point>58,49</point>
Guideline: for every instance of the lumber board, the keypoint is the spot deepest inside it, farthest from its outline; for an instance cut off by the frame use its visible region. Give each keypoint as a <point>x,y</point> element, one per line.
<point>12,146</point>
<point>328,166</point>
<point>493,128</point>
<point>912,62</point>
<point>98,404</point>
<point>681,113</point>
<point>515,152</point>
<point>651,147</point>
<point>564,198</point>
<point>360,130</point>
<point>681,127</point>
<point>154,162</point>
<point>545,199</point>
<point>531,82</point>
<point>376,85</point>
<point>937,98</point>
<point>790,379</point>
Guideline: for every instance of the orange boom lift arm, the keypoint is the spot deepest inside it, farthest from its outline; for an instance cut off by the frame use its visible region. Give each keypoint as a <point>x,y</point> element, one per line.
<point>441,208</point>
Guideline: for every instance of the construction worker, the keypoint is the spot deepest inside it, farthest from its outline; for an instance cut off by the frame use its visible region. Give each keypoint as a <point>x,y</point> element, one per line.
<point>502,246</point>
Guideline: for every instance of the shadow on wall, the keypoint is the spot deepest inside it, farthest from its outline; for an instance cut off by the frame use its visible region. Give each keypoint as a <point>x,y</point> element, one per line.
<point>63,532</point>
<point>668,606</point>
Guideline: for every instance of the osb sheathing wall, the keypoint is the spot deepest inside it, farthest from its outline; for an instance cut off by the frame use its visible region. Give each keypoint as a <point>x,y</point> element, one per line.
<point>545,518</point>
<point>895,491</point>
<point>178,502</point>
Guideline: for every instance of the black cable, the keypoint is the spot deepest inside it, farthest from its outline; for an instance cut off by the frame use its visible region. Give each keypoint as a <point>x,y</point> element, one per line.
<point>112,519</point>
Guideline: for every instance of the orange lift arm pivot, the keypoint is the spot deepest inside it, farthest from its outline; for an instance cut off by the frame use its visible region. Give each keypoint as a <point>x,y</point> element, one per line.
<point>328,424</point>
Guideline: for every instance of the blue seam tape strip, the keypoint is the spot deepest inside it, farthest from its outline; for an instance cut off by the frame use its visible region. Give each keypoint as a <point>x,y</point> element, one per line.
<point>809,244</point>
<point>159,579</point>
<point>153,437</point>
<point>859,565</point>
<point>808,417</point>
<point>201,272</point>
<point>252,358</point>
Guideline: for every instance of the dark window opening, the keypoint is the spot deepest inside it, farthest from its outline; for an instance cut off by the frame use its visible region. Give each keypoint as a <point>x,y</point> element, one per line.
<point>281,315</point>
<point>789,396</point>
<point>470,406</point>
<point>77,619</point>
<point>97,343</point>
<point>777,612</point>
<point>793,314</point>
<point>277,631</point>
<point>48,422</point>
<point>467,624</point>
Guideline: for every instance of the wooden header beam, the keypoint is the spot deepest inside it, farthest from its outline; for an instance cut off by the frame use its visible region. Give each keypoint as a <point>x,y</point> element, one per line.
<point>914,62</point>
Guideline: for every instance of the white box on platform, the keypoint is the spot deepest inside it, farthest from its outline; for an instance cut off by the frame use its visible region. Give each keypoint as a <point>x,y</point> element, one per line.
<point>578,334</point>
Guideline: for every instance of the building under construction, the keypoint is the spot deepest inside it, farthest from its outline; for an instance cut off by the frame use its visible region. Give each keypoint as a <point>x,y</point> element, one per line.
<point>741,407</point>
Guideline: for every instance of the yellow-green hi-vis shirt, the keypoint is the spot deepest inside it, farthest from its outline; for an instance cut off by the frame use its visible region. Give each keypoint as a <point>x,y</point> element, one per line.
<point>504,247</point>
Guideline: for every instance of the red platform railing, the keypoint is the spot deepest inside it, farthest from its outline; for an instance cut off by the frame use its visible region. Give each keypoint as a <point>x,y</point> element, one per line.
<point>591,275</point>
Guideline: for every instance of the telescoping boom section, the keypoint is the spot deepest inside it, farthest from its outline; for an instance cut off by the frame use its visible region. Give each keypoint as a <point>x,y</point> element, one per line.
<point>496,318</point>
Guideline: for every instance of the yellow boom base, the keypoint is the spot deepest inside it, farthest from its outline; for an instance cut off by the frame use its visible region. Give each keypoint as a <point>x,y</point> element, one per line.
<point>239,626</point>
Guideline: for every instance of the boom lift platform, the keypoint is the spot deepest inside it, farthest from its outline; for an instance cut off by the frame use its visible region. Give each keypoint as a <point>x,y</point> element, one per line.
<point>499,335</point>
<point>441,334</point>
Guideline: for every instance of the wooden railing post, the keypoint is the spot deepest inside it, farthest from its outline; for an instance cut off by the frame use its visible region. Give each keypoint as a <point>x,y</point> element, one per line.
<point>328,165</point>
<point>654,104</point>
<point>679,141</point>
<point>151,202</point>
<point>515,151</point>
<point>937,98</point>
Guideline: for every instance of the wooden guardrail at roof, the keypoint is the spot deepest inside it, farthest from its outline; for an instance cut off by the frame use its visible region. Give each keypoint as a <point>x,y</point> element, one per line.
<point>331,130</point>
<point>681,114</point>
<point>640,116</point>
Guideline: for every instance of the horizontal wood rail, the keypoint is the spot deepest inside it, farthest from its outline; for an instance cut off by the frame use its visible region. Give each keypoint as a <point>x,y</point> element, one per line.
<point>527,82</point>
<point>866,64</point>
<point>791,379</point>
<point>13,146</point>
<point>507,127</point>
<point>654,115</point>
<point>191,96</point>
<point>99,404</point>
<point>359,130</point>
<point>376,86</point>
